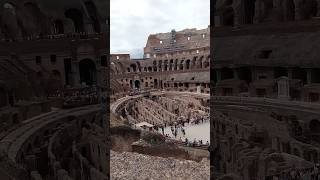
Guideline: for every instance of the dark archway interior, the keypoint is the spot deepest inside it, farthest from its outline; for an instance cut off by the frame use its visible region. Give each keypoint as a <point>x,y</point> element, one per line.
<point>87,69</point>
<point>58,27</point>
<point>92,10</point>
<point>314,126</point>
<point>77,18</point>
<point>137,84</point>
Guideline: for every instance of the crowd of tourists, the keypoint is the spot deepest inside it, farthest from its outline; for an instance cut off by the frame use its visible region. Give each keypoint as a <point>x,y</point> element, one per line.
<point>298,174</point>
<point>178,128</point>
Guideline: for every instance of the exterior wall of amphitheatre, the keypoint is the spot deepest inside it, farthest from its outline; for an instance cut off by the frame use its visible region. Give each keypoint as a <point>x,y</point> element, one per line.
<point>164,66</point>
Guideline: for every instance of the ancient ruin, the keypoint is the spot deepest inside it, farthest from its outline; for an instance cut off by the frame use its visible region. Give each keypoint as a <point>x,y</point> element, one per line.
<point>53,65</point>
<point>265,89</point>
<point>158,104</point>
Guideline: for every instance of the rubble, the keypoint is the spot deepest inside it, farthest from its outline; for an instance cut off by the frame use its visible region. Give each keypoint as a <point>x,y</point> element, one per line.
<point>132,166</point>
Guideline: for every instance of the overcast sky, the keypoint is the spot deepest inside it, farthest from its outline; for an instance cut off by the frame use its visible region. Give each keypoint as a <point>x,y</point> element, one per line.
<point>132,21</point>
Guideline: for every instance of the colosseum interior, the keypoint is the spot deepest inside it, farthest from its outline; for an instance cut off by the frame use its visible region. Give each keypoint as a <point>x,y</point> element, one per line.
<point>168,87</point>
<point>53,61</point>
<point>265,94</point>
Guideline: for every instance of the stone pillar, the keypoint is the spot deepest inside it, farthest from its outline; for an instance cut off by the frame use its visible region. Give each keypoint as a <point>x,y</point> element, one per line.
<point>235,73</point>
<point>31,161</point>
<point>290,73</point>
<point>253,74</point>
<point>75,74</point>
<point>297,10</point>
<point>283,88</point>
<point>309,76</point>
<point>218,75</point>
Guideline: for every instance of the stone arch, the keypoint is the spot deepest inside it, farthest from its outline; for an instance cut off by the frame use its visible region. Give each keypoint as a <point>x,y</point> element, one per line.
<point>193,63</point>
<point>226,73</point>
<point>77,17</point>
<point>314,126</point>
<point>171,65</point>
<point>181,65</point>
<point>299,73</point>
<point>150,69</point>
<point>249,9</point>
<point>133,67</point>
<point>58,26</point>
<point>165,65</point>
<point>245,74</point>
<point>92,12</point>
<point>176,64</point>
<point>10,27</point>
<point>36,19</point>
<point>290,10</point>
<point>188,64</point>
<point>3,97</point>
<point>199,63</point>
<point>228,16</point>
<point>296,152</point>
<point>87,69</point>
<point>15,118</point>
<point>137,84</point>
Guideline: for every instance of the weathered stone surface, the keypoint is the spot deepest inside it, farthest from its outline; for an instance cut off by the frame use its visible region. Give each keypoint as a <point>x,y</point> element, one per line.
<point>131,166</point>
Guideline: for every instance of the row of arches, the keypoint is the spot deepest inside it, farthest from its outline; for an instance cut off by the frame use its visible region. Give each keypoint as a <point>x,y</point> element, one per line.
<point>29,20</point>
<point>252,11</point>
<point>171,65</point>
<point>247,74</point>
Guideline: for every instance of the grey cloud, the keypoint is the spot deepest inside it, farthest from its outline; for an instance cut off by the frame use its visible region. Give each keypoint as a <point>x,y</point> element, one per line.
<point>129,31</point>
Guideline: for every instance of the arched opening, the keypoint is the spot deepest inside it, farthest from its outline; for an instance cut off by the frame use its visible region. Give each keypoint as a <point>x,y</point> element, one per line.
<point>245,74</point>
<point>213,76</point>
<point>36,14</point>
<point>166,65</point>
<point>228,17</point>
<point>9,22</point>
<point>308,8</point>
<point>150,69</point>
<point>315,75</point>
<point>87,69</point>
<point>92,10</point>
<point>279,72</point>
<point>226,73</point>
<point>188,64</point>
<point>193,63</point>
<point>314,126</point>
<point>249,9</point>
<point>299,73</point>
<point>171,65</point>
<point>200,62</point>
<point>155,83</point>
<point>76,16</point>
<point>58,27</point>
<point>137,84</point>
<point>3,97</point>
<point>176,64</point>
<point>133,67</point>
<point>290,13</point>
<point>296,152</point>
<point>15,119</point>
<point>181,65</point>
